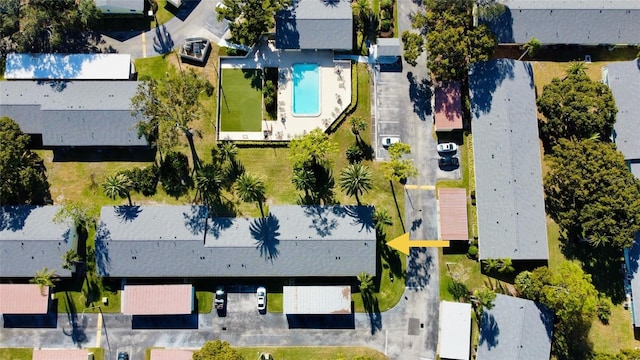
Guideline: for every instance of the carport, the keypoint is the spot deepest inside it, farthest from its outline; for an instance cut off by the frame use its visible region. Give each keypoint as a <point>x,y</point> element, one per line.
<point>452,205</point>
<point>158,299</point>
<point>60,354</point>
<point>316,300</point>
<point>171,354</point>
<point>24,299</point>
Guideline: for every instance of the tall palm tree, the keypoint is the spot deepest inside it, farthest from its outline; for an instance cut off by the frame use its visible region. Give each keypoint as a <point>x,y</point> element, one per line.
<point>491,264</point>
<point>483,298</point>
<point>117,186</point>
<point>577,68</point>
<point>304,180</point>
<point>355,180</point>
<point>250,188</point>
<point>69,258</point>
<point>358,125</point>
<point>228,151</point>
<point>366,283</point>
<point>209,181</point>
<point>382,219</point>
<point>506,266</point>
<point>44,278</point>
<point>362,12</point>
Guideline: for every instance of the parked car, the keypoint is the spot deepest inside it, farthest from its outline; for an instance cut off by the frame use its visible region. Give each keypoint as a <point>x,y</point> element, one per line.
<point>390,140</point>
<point>122,355</point>
<point>220,301</point>
<point>261,294</point>
<point>448,162</point>
<point>447,147</point>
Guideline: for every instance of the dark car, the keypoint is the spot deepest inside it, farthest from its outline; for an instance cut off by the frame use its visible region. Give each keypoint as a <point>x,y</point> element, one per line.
<point>123,355</point>
<point>448,162</point>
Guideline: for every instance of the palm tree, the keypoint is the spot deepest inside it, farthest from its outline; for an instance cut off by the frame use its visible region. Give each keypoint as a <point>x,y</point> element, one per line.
<point>251,188</point>
<point>362,12</point>
<point>117,186</point>
<point>209,181</point>
<point>355,179</point>
<point>506,266</point>
<point>366,284</point>
<point>228,151</point>
<point>577,68</point>
<point>304,179</point>
<point>491,264</point>
<point>43,278</point>
<point>530,48</point>
<point>382,219</point>
<point>358,125</point>
<point>483,298</point>
<point>69,259</point>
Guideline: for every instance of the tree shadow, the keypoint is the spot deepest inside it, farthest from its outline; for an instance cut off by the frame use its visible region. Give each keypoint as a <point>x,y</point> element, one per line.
<point>162,42</point>
<point>418,268</point>
<point>389,255</point>
<point>255,75</point>
<point>484,80</point>
<point>266,232</point>
<point>372,308</point>
<point>395,200</point>
<point>419,93</point>
<point>196,220</point>
<point>501,26</point>
<point>323,224</point>
<point>76,329</point>
<point>489,331</point>
<point>361,216</point>
<point>127,213</point>
<point>103,260</point>
<point>13,217</point>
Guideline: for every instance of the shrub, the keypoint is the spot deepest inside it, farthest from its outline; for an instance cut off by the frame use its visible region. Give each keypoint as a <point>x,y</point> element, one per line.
<point>472,252</point>
<point>144,181</point>
<point>174,174</point>
<point>386,5</point>
<point>355,154</point>
<point>604,309</point>
<point>385,25</point>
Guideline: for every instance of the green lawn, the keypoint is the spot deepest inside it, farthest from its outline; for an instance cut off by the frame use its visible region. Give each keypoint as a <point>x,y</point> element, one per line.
<point>153,67</point>
<point>163,14</point>
<point>241,100</point>
<point>16,353</point>
<point>305,353</point>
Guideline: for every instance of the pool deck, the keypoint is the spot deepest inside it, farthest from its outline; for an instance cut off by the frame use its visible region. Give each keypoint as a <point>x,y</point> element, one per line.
<point>335,91</point>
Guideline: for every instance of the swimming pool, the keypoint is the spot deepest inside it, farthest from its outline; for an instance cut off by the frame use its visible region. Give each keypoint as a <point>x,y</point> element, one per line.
<point>306,90</point>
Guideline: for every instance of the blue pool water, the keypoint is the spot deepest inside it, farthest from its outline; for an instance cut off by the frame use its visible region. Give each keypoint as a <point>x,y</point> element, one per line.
<point>306,89</point>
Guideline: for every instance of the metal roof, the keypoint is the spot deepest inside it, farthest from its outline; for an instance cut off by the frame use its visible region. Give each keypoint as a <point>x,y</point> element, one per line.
<point>171,354</point>
<point>157,299</point>
<point>510,200</point>
<point>624,80</point>
<point>315,24</point>
<point>178,241</point>
<point>452,206</point>
<point>121,7</point>
<point>316,300</point>
<point>389,47</point>
<point>24,299</point>
<point>515,329</point>
<point>587,22</point>
<point>454,337</point>
<point>60,354</point>
<point>83,113</point>
<point>31,241</point>
<point>68,66</point>
<point>448,106</point>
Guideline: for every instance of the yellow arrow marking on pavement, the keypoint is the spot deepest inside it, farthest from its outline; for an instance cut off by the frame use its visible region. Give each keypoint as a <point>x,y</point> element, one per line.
<point>403,244</point>
<point>99,330</point>
<point>144,46</point>
<point>420,187</point>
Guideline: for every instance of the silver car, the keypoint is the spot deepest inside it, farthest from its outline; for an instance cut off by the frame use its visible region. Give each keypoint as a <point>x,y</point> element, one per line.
<point>261,294</point>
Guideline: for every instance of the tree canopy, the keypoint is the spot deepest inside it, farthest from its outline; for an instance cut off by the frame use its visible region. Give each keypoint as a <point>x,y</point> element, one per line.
<point>452,42</point>
<point>249,19</point>
<point>23,178</point>
<point>591,193</point>
<point>397,168</point>
<point>576,107</point>
<point>217,350</point>
<point>169,106</point>
<point>569,293</point>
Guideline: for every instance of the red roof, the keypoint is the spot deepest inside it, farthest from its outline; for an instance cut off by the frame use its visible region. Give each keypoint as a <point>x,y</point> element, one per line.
<point>448,103</point>
<point>171,354</point>
<point>60,354</point>
<point>157,299</point>
<point>453,214</point>
<point>23,299</point>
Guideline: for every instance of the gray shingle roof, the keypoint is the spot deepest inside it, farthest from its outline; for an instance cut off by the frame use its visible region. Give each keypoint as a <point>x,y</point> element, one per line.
<point>624,80</point>
<point>389,47</point>
<point>511,213</point>
<point>30,241</point>
<point>588,22</point>
<point>84,113</point>
<point>315,24</point>
<point>632,260</point>
<point>176,241</point>
<point>515,329</point>
<point>120,6</point>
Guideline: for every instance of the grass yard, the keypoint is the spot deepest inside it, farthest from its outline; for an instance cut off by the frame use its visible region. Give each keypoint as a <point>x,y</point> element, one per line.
<point>304,353</point>
<point>163,14</point>
<point>16,353</point>
<point>241,100</point>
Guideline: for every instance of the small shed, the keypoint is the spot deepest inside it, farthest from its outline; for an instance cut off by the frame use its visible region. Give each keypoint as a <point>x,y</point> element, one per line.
<point>316,300</point>
<point>455,330</point>
<point>23,299</point>
<point>158,299</point>
<point>448,106</point>
<point>60,354</point>
<point>452,206</point>
<point>171,354</point>
<point>388,50</point>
